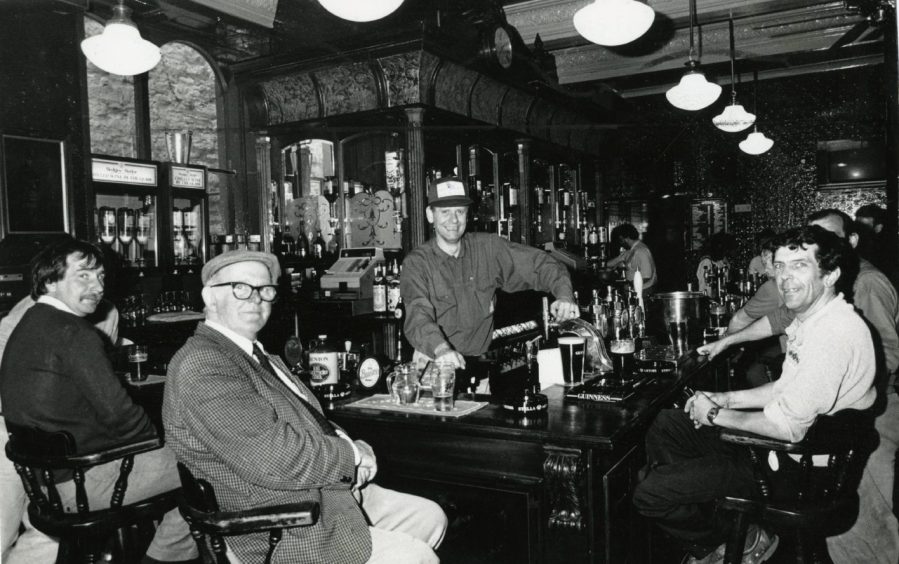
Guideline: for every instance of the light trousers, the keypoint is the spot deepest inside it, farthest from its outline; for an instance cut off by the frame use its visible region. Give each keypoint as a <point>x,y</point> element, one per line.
<point>32,546</point>
<point>154,472</point>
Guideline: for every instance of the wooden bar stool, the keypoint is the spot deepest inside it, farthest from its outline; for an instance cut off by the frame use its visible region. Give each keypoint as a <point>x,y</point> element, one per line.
<point>120,533</point>
<point>201,511</point>
<point>814,502</point>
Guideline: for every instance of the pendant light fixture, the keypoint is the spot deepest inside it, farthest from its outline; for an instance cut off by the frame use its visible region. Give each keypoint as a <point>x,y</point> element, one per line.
<point>613,22</point>
<point>361,10</point>
<point>755,143</point>
<point>693,92</point>
<point>120,49</point>
<point>734,118</point>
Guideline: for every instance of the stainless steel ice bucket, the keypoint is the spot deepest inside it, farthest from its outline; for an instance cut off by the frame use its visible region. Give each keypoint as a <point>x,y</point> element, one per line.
<point>681,316</point>
<point>178,145</point>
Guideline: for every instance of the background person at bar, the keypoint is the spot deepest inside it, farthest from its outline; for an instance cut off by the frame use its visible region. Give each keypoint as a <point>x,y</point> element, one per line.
<point>830,366</point>
<point>449,283</point>
<point>238,418</point>
<point>636,256</point>
<point>55,376</point>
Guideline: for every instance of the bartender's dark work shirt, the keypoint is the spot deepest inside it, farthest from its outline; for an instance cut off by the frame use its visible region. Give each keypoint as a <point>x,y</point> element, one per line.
<point>451,298</point>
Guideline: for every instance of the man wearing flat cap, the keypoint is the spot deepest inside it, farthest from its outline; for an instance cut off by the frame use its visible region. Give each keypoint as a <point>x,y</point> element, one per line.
<point>450,282</point>
<point>238,418</point>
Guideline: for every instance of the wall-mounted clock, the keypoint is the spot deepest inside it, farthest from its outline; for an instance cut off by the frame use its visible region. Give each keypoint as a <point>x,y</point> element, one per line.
<point>502,45</point>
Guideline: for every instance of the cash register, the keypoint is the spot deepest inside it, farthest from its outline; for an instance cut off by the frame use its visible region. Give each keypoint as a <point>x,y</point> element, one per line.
<point>351,277</point>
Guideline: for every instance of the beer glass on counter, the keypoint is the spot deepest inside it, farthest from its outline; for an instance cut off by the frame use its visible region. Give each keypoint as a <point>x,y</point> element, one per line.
<point>443,386</point>
<point>137,355</point>
<point>622,351</point>
<point>572,347</point>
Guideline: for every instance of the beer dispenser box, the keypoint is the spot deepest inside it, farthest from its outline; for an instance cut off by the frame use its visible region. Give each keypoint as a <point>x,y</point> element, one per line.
<point>656,360</point>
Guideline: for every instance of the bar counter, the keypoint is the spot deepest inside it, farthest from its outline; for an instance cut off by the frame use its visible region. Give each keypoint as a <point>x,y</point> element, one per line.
<point>554,488</point>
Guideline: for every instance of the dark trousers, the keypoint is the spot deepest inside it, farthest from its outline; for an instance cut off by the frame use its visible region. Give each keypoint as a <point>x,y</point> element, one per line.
<point>687,470</point>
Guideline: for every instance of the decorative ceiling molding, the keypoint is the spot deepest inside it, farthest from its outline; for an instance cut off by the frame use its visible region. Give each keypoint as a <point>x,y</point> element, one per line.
<point>768,32</point>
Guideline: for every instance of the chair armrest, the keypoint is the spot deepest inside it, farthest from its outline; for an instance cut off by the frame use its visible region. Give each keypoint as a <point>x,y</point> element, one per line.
<point>746,438</point>
<point>847,429</point>
<point>289,515</point>
<point>82,460</point>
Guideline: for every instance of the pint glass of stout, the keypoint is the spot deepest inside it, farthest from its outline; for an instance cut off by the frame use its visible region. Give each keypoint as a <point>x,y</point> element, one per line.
<point>572,349</point>
<point>622,358</point>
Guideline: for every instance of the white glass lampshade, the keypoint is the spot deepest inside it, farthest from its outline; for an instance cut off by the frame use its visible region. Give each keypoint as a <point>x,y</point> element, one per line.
<point>733,119</point>
<point>613,22</point>
<point>693,92</point>
<point>756,143</point>
<point>120,49</point>
<point>361,10</point>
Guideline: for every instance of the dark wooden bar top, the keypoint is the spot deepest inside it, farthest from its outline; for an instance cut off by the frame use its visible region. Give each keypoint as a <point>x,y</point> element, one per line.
<point>551,488</point>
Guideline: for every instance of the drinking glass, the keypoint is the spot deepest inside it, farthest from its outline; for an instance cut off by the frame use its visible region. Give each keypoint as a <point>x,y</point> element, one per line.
<point>623,357</point>
<point>443,386</point>
<point>572,348</point>
<point>137,355</point>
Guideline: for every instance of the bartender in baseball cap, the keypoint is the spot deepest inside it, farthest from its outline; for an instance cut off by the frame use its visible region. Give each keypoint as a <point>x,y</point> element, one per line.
<point>449,283</point>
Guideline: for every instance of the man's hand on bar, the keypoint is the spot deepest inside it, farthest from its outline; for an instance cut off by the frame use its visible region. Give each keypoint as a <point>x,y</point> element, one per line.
<point>714,348</point>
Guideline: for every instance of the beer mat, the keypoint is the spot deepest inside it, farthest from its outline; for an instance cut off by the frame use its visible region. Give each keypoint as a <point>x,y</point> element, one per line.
<point>151,380</point>
<point>174,316</point>
<point>424,406</point>
<point>596,390</point>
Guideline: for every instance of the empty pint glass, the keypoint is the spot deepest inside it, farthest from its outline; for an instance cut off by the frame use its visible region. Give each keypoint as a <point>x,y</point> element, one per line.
<point>443,386</point>
<point>572,349</point>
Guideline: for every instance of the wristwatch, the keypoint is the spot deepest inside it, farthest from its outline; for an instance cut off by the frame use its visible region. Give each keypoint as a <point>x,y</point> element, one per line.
<point>712,414</point>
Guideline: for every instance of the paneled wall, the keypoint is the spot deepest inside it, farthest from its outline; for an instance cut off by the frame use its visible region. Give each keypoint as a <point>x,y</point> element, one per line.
<point>674,151</point>
<point>40,86</point>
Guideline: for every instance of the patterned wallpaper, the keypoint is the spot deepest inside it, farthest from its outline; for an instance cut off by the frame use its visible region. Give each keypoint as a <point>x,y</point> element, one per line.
<point>674,151</point>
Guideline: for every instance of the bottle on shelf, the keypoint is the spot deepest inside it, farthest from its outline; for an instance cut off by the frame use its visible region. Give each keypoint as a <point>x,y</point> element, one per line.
<point>399,313</point>
<point>379,291</point>
<point>393,286</point>
<point>302,244</point>
<point>318,245</point>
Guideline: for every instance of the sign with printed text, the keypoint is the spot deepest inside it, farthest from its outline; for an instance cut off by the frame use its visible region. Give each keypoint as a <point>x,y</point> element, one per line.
<point>122,172</point>
<point>183,177</point>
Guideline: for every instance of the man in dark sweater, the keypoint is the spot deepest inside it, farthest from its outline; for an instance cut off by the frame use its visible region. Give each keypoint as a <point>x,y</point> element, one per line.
<point>55,375</point>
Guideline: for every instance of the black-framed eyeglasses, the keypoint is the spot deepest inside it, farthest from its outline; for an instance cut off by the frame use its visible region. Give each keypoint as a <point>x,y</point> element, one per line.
<point>243,291</point>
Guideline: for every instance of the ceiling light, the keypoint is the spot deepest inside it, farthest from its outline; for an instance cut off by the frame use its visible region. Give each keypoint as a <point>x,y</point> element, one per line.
<point>693,92</point>
<point>756,143</point>
<point>613,22</point>
<point>361,10</point>
<point>734,118</point>
<point>120,49</point>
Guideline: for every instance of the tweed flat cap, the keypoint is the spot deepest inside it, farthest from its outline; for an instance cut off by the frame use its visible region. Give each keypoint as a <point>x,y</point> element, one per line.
<point>241,255</point>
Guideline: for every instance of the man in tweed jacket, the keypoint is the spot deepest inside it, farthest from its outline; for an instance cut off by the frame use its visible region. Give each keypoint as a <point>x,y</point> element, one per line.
<point>237,418</point>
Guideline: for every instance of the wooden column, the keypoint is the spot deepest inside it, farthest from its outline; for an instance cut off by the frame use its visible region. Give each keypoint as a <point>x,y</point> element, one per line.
<point>524,189</point>
<point>415,176</point>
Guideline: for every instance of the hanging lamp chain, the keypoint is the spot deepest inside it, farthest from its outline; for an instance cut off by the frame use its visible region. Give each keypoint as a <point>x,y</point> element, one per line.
<point>733,80</point>
<point>692,23</point>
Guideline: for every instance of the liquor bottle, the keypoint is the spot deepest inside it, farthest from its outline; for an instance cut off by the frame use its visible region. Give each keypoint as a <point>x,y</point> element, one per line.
<point>302,244</point>
<point>399,313</point>
<point>393,286</point>
<point>318,245</point>
<point>379,290</point>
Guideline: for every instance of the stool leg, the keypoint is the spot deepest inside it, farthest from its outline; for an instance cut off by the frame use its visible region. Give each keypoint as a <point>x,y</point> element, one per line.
<point>737,539</point>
